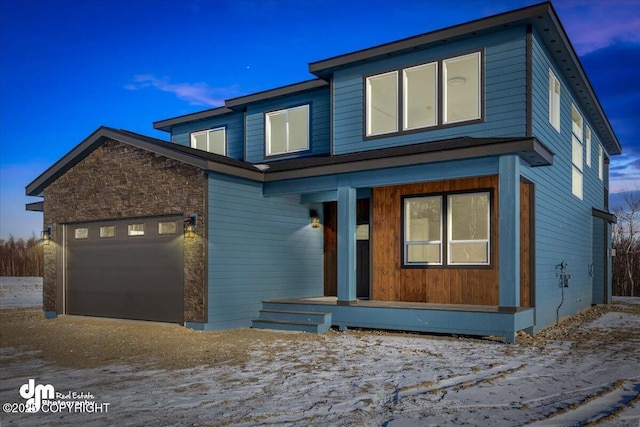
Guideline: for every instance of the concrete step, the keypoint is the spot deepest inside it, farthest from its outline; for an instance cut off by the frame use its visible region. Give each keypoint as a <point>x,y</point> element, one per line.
<point>290,320</point>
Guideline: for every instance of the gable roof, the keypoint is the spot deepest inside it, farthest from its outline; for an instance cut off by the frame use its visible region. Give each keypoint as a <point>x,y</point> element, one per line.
<point>529,149</point>
<point>188,155</point>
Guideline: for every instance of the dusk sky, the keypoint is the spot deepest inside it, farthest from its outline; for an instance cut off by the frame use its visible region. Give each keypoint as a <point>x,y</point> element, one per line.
<point>70,66</point>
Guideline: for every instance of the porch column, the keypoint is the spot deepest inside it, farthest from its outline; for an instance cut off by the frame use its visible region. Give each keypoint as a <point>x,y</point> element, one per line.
<point>509,231</point>
<point>346,245</point>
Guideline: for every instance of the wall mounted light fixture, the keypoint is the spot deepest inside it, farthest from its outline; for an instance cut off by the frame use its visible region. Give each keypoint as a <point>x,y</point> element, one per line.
<point>190,225</point>
<point>47,235</point>
<point>315,219</point>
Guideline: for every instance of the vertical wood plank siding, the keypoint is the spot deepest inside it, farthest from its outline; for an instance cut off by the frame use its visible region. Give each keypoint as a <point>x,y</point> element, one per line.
<point>391,282</point>
<point>319,123</point>
<point>330,230</point>
<point>234,123</point>
<point>505,93</point>
<point>525,247</point>
<point>260,248</point>
<point>563,222</point>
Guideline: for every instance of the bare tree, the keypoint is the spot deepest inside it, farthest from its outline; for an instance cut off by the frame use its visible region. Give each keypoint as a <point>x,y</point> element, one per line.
<point>626,242</point>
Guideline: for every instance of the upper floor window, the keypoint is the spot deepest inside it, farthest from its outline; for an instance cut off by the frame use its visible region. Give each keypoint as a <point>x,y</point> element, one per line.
<point>382,104</point>
<point>412,94</point>
<point>287,131</point>
<point>576,153</point>
<point>420,96</point>
<point>554,101</point>
<point>587,145</point>
<point>211,140</point>
<point>600,163</point>
<point>461,85</point>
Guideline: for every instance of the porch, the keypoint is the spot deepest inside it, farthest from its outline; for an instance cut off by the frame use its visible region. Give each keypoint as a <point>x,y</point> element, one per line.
<point>478,320</point>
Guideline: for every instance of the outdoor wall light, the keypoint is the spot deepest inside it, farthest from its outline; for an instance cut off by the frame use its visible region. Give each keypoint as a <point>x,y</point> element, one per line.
<point>46,235</point>
<point>190,225</point>
<point>315,219</point>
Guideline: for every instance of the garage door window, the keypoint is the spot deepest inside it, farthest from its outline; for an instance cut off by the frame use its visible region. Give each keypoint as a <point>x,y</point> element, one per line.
<point>81,233</point>
<point>108,231</point>
<point>167,227</point>
<point>135,229</point>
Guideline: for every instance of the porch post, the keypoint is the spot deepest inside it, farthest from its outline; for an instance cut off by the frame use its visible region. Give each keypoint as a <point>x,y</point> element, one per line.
<point>509,231</point>
<point>346,245</point>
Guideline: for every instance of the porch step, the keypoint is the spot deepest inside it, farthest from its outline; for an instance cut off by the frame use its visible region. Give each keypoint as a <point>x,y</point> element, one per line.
<point>288,320</point>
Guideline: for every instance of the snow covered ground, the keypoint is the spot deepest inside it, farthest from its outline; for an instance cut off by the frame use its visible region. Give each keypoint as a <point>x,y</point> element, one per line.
<point>20,292</point>
<point>364,378</point>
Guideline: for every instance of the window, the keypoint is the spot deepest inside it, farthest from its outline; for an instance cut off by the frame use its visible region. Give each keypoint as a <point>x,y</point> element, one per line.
<point>419,95</point>
<point>81,233</point>
<point>576,153</point>
<point>287,131</point>
<point>382,103</point>
<point>211,140</point>
<point>423,230</point>
<point>135,229</point>
<point>467,228</point>
<point>600,163</point>
<point>167,227</point>
<point>554,101</point>
<point>587,145</point>
<point>468,233</point>
<point>108,231</point>
<point>461,86</point>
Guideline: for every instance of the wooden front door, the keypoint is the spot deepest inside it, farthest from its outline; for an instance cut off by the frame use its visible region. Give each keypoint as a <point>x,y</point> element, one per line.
<point>331,249</point>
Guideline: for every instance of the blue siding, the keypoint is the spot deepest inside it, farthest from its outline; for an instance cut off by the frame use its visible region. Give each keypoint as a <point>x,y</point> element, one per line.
<point>563,222</point>
<point>181,134</point>
<point>505,93</point>
<point>599,267</point>
<point>320,115</point>
<point>259,248</point>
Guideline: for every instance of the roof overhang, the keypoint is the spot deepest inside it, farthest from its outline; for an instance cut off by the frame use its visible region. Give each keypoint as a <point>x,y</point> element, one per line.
<point>276,93</point>
<point>167,124</point>
<point>542,17</point>
<point>188,155</point>
<point>607,216</point>
<point>35,207</point>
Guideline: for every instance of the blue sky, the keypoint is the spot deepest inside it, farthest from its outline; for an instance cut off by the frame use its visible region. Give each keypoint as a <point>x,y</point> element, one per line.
<point>69,66</point>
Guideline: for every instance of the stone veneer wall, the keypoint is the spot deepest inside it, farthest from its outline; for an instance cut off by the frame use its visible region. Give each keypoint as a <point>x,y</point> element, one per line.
<point>119,181</point>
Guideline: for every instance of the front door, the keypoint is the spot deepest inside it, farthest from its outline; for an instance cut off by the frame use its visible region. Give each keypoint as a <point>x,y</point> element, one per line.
<point>331,249</point>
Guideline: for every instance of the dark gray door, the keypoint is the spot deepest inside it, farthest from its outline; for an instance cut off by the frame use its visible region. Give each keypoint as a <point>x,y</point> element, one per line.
<point>129,269</point>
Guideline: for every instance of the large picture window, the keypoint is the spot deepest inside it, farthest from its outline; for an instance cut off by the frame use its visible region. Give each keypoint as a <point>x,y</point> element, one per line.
<point>407,99</point>
<point>462,220</point>
<point>382,104</point>
<point>211,140</point>
<point>287,131</point>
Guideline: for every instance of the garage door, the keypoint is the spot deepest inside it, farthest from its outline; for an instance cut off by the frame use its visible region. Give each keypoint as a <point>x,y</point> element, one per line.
<point>129,269</point>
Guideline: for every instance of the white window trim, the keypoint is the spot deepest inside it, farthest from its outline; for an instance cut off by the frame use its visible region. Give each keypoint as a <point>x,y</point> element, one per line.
<point>268,130</point>
<point>368,102</point>
<point>405,96</point>
<point>208,132</point>
<point>554,101</point>
<point>450,231</point>
<point>445,121</point>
